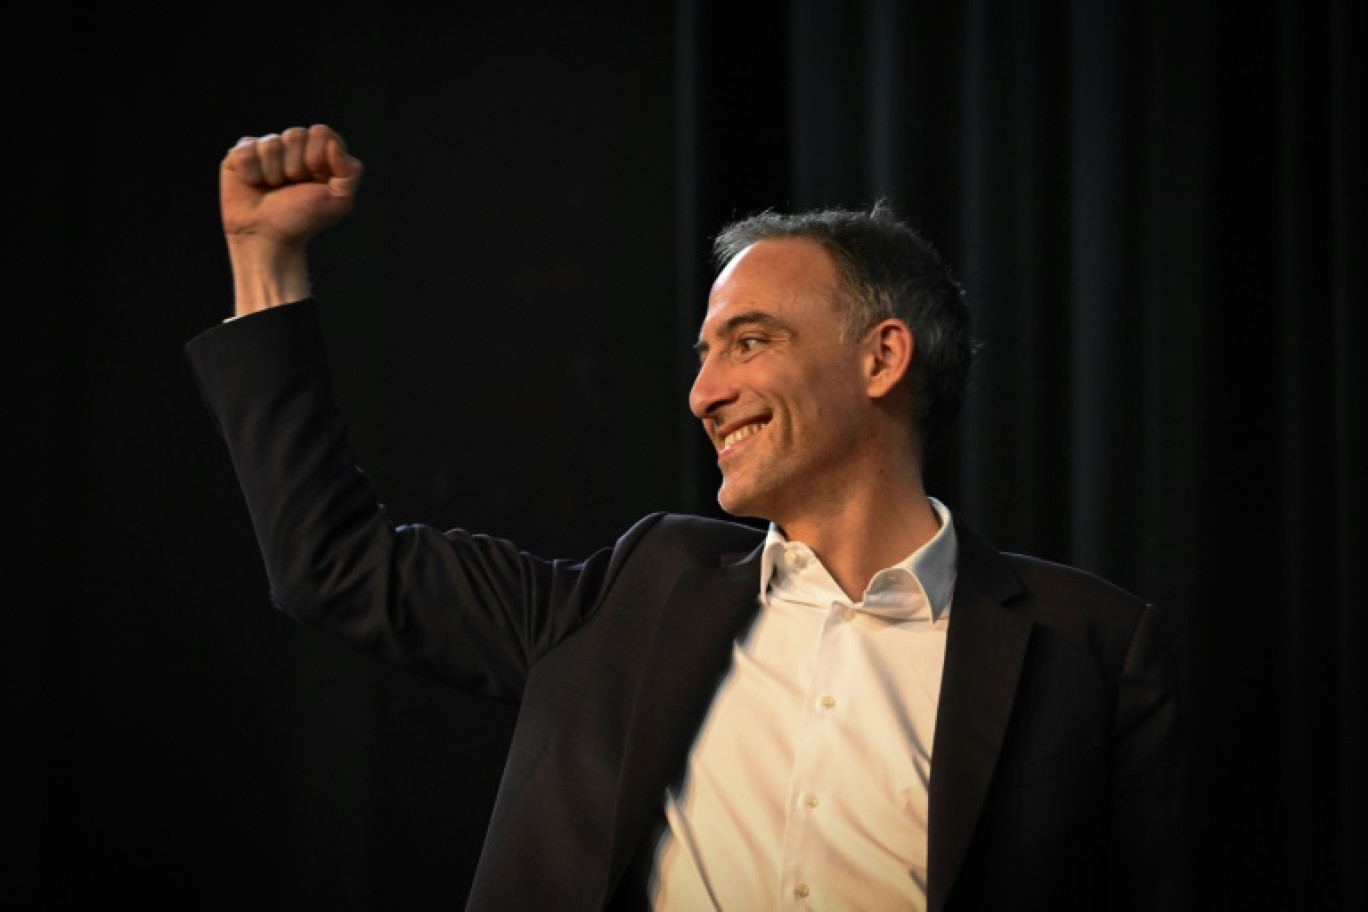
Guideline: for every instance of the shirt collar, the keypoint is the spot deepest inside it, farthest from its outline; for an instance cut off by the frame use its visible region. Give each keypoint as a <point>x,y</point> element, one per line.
<point>925,578</point>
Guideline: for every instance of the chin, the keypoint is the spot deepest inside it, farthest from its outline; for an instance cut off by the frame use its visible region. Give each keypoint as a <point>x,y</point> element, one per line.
<point>740,503</point>
<point>729,502</point>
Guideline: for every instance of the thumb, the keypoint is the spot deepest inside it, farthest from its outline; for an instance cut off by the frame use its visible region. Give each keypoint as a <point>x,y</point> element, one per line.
<point>345,169</point>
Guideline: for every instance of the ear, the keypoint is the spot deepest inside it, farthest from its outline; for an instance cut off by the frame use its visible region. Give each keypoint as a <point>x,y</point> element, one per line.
<point>889,347</point>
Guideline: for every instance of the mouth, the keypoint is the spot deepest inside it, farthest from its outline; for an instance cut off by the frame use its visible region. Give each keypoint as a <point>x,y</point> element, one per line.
<point>737,435</point>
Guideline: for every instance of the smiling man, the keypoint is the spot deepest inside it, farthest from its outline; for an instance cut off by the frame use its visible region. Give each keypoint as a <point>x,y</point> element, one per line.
<point>866,706</point>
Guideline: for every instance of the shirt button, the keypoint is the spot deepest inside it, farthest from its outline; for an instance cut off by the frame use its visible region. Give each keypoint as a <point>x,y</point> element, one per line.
<point>828,701</point>
<point>801,889</point>
<point>810,800</point>
<point>847,613</point>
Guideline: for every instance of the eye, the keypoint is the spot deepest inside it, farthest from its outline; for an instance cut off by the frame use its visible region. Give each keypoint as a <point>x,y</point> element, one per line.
<point>749,345</point>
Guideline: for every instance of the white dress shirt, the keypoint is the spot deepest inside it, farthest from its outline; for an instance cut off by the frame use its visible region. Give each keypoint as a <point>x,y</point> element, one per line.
<point>807,786</point>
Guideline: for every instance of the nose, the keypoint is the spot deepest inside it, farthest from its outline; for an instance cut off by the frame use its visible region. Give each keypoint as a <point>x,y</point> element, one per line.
<point>712,387</point>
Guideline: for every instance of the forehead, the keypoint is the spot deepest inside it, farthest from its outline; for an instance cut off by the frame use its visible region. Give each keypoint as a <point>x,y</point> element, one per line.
<point>792,279</point>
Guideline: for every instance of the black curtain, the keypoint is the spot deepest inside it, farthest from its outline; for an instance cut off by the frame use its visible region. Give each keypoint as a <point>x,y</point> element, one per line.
<point>1157,210</point>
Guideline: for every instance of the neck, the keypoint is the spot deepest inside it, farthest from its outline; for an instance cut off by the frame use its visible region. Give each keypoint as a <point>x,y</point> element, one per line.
<point>868,532</point>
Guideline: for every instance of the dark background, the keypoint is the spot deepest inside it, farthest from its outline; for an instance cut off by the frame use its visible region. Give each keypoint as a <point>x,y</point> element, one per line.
<point>1157,209</point>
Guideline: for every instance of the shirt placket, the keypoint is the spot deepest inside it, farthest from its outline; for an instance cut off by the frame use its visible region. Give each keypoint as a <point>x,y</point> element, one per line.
<point>816,760</point>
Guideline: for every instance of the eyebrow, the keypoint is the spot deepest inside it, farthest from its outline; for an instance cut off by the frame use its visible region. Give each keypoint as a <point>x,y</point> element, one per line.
<point>749,318</point>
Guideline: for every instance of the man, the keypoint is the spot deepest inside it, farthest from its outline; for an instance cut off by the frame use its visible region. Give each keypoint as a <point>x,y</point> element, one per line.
<point>868,707</point>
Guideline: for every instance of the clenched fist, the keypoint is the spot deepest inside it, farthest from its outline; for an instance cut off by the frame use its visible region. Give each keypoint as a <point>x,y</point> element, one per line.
<point>275,193</point>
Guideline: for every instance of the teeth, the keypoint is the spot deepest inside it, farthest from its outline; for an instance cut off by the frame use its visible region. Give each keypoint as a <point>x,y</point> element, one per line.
<point>740,434</point>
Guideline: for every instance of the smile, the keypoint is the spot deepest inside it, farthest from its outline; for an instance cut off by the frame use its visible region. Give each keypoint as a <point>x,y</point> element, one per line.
<point>742,433</point>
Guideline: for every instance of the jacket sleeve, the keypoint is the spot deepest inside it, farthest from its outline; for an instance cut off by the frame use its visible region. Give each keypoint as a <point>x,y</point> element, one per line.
<point>469,610</point>
<point>1147,854</point>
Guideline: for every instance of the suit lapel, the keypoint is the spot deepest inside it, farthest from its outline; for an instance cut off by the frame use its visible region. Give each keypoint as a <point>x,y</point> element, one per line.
<point>689,654</point>
<point>985,650</point>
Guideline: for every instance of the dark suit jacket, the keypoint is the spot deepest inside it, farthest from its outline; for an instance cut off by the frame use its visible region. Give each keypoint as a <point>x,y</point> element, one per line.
<point>1055,771</point>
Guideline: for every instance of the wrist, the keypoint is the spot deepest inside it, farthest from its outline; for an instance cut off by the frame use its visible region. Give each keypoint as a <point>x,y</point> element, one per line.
<point>267,275</point>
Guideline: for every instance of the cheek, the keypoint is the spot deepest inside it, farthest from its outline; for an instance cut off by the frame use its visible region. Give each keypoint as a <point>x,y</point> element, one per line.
<point>831,394</point>
<point>837,416</point>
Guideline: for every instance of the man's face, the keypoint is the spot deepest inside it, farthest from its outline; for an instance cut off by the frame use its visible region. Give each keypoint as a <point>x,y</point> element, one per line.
<point>778,392</point>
